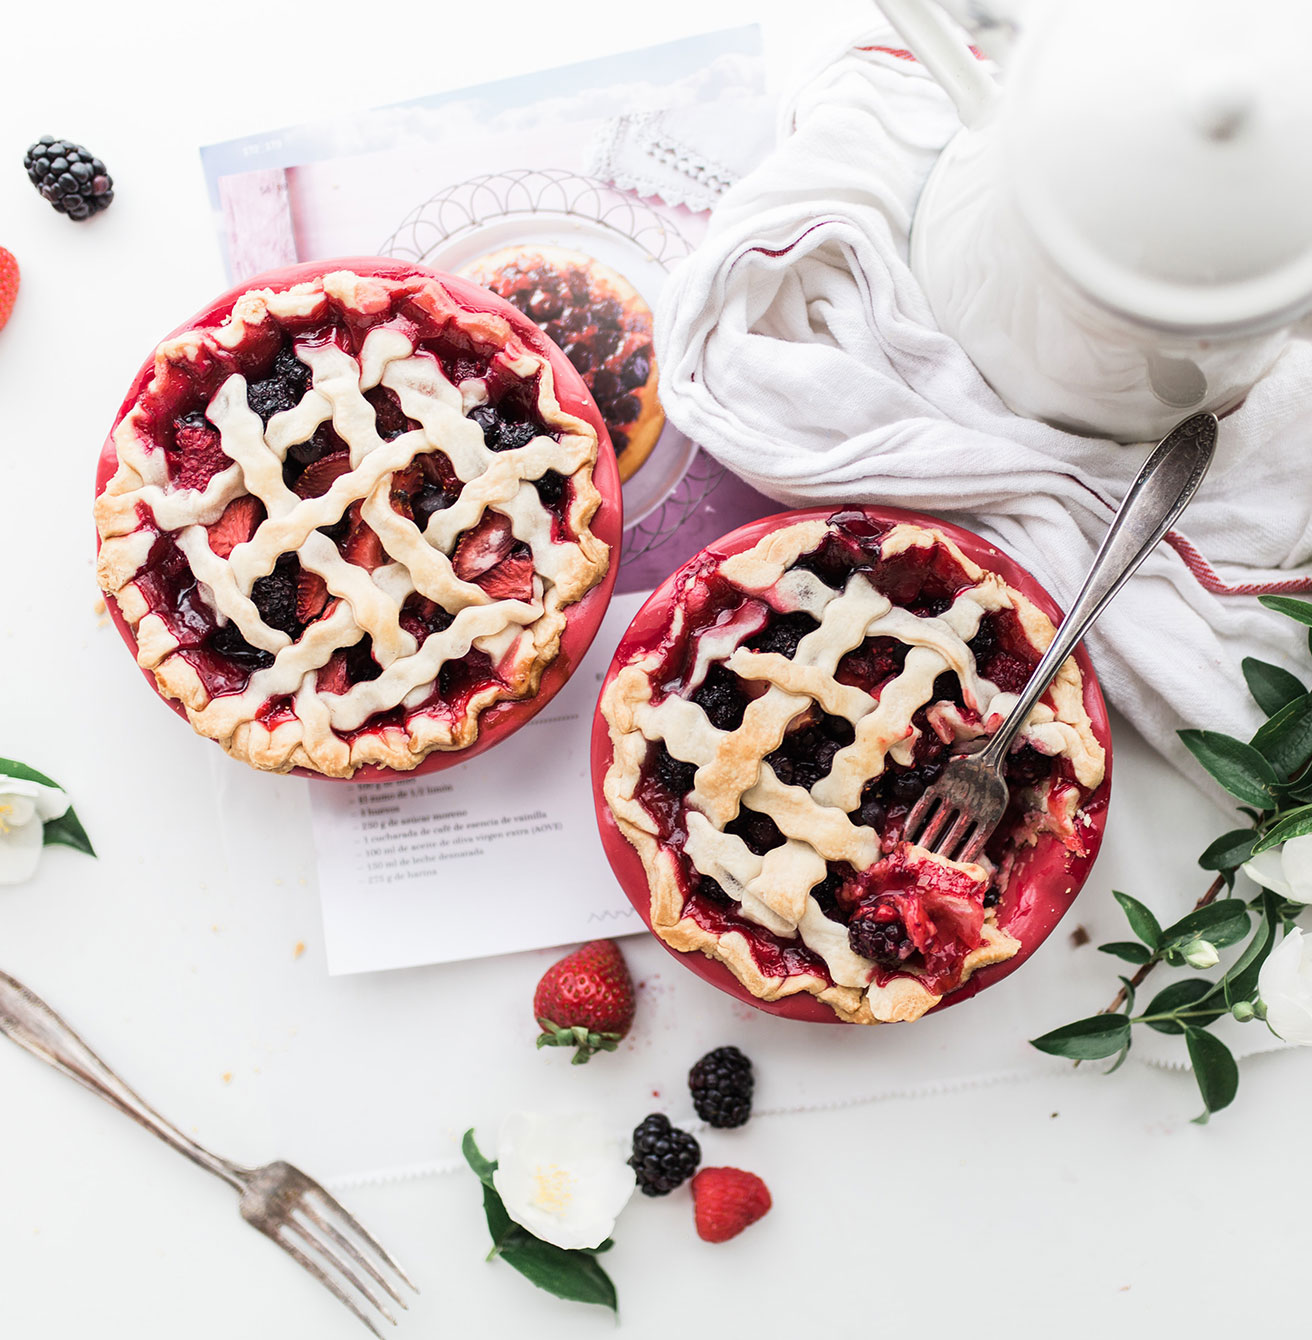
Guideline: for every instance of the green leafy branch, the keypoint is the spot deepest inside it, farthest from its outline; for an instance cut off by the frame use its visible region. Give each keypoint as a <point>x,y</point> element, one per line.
<point>572,1274</point>
<point>1271,775</point>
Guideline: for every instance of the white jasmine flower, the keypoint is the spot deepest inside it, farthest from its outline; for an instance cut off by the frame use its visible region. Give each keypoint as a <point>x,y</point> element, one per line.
<point>1285,988</point>
<point>561,1177</point>
<point>1286,870</point>
<point>25,807</point>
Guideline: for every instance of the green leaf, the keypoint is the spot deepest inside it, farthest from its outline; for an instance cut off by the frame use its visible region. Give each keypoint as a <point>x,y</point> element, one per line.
<point>1240,980</point>
<point>575,1275</point>
<point>499,1223</point>
<point>1214,1068</point>
<point>1119,1061</point>
<point>1240,768</point>
<point>1229,850</point>
<point>67,830</point>
<point>601,1247</point>
<point>1298,610</point>
<point>1271,687</point>
<point>1285,741</point>
<point>1129,998</point>
<point>1177,996</point>
<point>1142,922</point>
<point>1224,922</point>
<point>1295,824</point>
<point>1130,950</point>
<point>1088,1039</point>
<point>483,1168</point>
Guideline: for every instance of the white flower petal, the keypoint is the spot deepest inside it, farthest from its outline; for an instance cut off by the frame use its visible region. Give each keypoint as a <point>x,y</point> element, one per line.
<point>561,1178</point>
<point>1296,862</point>
<point>1285,987</point>
<point>20,851</point>
<point>1268,869</point>
<point>50,801</point>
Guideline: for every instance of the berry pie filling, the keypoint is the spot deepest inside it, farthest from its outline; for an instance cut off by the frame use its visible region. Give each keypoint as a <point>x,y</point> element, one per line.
<point>346,518</point>
<point>771,741</point>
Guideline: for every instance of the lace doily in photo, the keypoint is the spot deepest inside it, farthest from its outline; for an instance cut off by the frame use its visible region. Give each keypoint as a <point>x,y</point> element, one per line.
<point>556,207</point>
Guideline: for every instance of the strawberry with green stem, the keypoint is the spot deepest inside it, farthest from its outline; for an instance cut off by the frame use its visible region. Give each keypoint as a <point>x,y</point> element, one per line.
<point>585,1001</point>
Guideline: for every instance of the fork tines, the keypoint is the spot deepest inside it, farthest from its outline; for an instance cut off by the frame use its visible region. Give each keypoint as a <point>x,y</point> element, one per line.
<point>316,1232</point>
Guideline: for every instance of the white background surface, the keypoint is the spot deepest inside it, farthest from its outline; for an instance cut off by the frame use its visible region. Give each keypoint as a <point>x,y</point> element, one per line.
<point>1051,1204</point>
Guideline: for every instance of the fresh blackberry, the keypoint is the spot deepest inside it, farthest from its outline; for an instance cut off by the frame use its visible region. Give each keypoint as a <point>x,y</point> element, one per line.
<point>878,933</point>
<point>721,1084</point>
<point>73,180</point>
<point>663,1156</point>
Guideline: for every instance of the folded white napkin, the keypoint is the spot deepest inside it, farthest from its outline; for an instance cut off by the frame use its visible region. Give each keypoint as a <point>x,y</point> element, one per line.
<point>798,349</point>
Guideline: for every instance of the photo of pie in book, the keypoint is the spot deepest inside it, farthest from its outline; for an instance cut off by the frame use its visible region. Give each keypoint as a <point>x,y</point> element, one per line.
<point>351,510</point>
<point>772,715</point>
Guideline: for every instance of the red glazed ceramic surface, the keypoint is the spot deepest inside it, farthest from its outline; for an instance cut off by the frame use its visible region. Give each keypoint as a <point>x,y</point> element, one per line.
<point>1046,877</point>
<point>584,618</point>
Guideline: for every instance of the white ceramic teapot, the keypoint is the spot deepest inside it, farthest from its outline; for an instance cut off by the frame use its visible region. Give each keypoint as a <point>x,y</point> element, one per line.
<point>1122,232</point>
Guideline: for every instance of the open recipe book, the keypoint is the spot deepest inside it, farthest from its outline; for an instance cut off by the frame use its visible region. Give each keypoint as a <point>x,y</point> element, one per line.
<point>442,181</point>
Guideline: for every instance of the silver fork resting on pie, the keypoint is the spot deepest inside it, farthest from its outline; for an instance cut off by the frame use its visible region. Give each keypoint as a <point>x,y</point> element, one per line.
<point>279,1200</point>
<point>957,814</point>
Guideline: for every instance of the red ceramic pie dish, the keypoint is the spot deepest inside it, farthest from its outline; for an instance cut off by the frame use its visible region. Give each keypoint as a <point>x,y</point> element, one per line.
<point>1046,877</point>
<point>583,617</point>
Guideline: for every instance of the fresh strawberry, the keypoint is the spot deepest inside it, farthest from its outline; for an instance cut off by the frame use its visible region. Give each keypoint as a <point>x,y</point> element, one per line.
<point>237,524</point>
<point>332,678</point>
<point>318,477</point>
<point>511,579</point>
<point>585,1000</point>
<point>198,453</point>
<point>8,284</point>
<point>726,1201</point>
<point>482,548</point>
<point>311,595</point>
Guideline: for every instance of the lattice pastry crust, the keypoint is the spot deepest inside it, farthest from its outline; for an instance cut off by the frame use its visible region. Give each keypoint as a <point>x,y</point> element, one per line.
<point>774,891</point>
<point>333,732</point>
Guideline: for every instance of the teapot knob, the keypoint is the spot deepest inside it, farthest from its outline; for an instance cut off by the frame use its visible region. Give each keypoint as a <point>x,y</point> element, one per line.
<point>1223,109</point>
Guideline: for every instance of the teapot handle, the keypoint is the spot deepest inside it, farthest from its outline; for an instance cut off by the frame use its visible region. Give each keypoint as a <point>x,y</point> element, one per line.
<point>940,46</point>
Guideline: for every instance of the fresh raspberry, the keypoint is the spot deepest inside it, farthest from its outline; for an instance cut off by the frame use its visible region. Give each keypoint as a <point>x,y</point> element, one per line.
<point>585,1000</point>
<point>726,1201</point>
<point>9,277</point>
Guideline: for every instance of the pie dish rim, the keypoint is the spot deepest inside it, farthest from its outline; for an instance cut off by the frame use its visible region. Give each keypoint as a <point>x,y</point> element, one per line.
<point>1058,865</point>
<point>583,617</point>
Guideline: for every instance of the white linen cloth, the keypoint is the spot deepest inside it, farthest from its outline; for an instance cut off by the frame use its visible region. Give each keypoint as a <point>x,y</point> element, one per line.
<point>797,348</point>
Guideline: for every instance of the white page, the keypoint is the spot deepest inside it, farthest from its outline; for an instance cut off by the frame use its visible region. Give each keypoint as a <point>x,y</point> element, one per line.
<point>491,856</point>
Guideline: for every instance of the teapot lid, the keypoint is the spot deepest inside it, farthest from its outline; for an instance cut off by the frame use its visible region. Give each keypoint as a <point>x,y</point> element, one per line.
<point>1162,154</point>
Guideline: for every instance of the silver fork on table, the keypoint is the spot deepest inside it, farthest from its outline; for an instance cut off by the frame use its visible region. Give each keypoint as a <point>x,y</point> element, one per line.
<point>958,812</point>
<point>279,1200</point>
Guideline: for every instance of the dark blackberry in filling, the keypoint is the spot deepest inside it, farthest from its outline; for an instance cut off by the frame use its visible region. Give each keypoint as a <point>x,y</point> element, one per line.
<point>874,662</point>
<point>228,642</point>
<point>500,431</point>
<point>721,698</point>
<point>807,752</point>
<point>877,932</point>
<point>992,898</point>
<point>282,389</point>
<point>906,787</point>
<point>1026,766</point>
<point>360,663</point>
<point>826,894</point>
<point>758,831</point>
<point>783,634</point>
<point>710,889</point>
<point>873,810</point>
<point>673,774</point>
<point>551,487</point>
<point>275,596</point>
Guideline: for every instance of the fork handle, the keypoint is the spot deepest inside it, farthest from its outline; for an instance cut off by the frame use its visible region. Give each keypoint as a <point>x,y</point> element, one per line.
<point>1160,492</point>
<point>27,1020</point>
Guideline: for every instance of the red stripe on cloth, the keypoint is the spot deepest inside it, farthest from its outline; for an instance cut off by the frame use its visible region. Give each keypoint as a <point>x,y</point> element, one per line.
<point>1209,580</point>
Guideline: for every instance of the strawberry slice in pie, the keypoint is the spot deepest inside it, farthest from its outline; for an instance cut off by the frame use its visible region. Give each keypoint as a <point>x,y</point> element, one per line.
<point>770,740</point>
<point>345,518</point>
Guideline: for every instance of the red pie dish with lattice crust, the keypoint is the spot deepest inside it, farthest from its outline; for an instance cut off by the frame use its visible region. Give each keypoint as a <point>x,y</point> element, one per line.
<point>349,510</point>
<point>771,716</point>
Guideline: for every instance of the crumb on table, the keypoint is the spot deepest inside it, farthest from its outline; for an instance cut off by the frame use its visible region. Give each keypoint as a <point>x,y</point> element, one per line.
<point>299,949</point>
